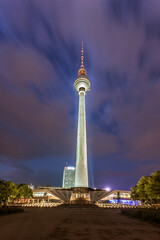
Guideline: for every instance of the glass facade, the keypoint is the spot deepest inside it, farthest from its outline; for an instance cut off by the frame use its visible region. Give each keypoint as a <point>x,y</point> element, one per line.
<point>69,177</point>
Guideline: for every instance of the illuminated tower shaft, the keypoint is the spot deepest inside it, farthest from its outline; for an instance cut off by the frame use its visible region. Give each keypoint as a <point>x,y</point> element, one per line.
<point>81,178</point>
<point>82,85</point>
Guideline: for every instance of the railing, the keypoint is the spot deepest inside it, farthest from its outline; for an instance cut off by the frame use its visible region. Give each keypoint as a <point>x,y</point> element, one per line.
<point>36,204</point>
<point>110,205</point>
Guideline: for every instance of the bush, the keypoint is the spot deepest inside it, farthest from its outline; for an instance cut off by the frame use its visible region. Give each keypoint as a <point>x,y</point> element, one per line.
<point>10,210</point>
<point>150,215</point>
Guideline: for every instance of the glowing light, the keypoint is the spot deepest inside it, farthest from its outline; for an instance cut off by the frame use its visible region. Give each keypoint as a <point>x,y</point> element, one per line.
<point>107,189</point>
<point>70,168</point>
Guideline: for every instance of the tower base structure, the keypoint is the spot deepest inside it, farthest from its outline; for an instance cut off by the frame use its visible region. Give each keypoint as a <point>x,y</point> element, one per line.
<point>80,196</point>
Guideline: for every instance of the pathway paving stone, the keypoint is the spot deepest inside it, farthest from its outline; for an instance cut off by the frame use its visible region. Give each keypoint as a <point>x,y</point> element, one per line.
<point>69,222</point>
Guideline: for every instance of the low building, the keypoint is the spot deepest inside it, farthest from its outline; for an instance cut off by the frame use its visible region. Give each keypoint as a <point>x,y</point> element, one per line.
<point>118,196</point>
<point>45,195</point>
<point>82,195</point>
<point>31,186</point>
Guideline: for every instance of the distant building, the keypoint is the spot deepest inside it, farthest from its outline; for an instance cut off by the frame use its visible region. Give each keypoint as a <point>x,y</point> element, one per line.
<point>31,186</point>
<point>68,177</point>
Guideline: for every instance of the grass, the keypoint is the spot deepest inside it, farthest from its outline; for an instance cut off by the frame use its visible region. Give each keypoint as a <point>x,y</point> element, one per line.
<point>10,210</point>
<point>151,215</point>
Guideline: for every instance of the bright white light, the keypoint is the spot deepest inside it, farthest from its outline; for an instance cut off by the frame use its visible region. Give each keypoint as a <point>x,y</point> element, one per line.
<point>70,168</point>
<point>107,189</point>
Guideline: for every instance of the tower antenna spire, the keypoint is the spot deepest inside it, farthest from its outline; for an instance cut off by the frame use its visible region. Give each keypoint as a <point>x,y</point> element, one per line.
<point>82,57</point>
<point>82,70</point>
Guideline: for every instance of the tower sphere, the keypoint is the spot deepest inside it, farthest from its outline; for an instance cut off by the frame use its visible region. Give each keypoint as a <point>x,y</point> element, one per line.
<point>82,83</point>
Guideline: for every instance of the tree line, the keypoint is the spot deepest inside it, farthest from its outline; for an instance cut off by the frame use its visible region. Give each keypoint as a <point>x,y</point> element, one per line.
<point>147,189</point>
<point>10,191</point>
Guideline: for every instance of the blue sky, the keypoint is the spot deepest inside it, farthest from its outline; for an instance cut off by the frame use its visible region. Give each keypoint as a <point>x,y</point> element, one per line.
<point>40,44</point>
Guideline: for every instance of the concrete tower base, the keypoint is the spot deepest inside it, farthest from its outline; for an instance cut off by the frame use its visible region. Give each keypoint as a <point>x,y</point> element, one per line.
<point>80,196</point>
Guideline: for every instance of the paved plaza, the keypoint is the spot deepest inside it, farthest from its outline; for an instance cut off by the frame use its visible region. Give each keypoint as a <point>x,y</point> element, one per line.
<point>68,223</point>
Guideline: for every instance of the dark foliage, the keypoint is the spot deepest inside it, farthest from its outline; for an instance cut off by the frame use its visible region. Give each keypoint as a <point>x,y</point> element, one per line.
<point>147,189</point>
<point>150,215</point>
<point>10,210</point>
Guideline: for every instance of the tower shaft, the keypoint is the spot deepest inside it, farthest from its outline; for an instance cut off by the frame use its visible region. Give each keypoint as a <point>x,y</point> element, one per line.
<point>82,86</point>
<point>81,176</point>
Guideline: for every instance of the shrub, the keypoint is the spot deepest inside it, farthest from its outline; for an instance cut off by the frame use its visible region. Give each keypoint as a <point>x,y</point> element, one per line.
<point>151,215</point>
<point>10,210</point>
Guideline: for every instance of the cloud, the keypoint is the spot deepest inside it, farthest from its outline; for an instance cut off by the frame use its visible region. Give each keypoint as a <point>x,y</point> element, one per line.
<point>30,104</point>
<point>39,60</point>
<point>123,10</point>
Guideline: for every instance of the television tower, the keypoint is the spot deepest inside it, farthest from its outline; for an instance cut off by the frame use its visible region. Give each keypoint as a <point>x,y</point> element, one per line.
<point>82,85</point>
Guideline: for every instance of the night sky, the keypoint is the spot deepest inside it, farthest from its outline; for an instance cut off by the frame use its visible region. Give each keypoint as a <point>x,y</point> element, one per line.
<point>40,44</point>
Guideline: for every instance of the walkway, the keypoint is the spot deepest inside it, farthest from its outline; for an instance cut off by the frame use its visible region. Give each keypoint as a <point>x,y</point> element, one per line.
<point>67,223</point>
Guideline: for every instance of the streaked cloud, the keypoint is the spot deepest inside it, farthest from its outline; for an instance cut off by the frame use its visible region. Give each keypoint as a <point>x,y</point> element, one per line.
<point>40,45</point>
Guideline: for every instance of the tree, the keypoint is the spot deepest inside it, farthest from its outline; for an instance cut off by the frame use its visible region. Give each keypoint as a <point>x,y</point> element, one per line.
<point>8,191</point>
<point>134,193</point>
<point>141,188</point>
<point>24,191</point>
<point>153,187</point>
<point>147,189</point>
